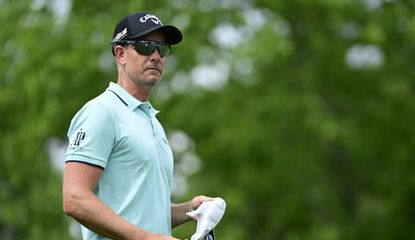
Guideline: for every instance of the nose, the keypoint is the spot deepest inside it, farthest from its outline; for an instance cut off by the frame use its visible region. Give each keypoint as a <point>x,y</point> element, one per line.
<point>156,53</point>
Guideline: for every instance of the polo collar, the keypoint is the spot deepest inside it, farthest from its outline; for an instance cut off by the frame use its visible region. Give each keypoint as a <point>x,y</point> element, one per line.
<point>131,102</point>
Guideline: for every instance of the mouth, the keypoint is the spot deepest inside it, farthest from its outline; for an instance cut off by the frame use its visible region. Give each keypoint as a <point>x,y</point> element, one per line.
<point>154,69</point>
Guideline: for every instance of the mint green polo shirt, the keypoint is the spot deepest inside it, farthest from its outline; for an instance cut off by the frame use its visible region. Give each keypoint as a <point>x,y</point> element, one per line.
<point>121,135</point>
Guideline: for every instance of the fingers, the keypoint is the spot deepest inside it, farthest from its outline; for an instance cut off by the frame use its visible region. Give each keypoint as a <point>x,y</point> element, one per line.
<point>198,200</point>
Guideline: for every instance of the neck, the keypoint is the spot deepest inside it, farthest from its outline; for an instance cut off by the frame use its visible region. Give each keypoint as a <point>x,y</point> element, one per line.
<point>141,93</point>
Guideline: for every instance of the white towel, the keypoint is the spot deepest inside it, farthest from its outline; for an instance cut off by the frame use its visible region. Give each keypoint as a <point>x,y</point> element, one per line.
<point>207,215</point>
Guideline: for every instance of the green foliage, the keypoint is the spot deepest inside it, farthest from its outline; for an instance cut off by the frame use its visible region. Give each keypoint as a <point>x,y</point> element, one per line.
<point>301,143</point>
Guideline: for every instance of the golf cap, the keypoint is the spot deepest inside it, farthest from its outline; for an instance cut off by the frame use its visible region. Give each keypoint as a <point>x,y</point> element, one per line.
<point>139,24</point>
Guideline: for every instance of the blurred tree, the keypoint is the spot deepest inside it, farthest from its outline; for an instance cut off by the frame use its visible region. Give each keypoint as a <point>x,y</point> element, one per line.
<point>300,111</point>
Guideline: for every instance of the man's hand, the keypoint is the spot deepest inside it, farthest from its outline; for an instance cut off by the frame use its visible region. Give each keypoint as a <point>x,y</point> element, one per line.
<point>179,210</point>
<point>197,201</point>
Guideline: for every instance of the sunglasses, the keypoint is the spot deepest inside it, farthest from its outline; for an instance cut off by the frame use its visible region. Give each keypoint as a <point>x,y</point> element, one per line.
<point>147,47</point>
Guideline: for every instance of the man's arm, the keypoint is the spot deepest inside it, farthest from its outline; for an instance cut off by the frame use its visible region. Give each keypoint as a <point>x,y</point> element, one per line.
<point>80,202</point>
<point>179,210</point>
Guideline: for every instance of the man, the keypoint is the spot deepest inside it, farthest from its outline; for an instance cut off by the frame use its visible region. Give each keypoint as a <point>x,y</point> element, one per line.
<point>119,165</point>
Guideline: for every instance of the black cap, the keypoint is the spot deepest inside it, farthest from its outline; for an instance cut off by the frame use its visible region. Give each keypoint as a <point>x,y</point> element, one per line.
<point>141,23</point>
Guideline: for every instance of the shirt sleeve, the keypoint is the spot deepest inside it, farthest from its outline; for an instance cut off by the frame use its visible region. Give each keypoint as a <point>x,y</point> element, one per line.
<point>91,136</point>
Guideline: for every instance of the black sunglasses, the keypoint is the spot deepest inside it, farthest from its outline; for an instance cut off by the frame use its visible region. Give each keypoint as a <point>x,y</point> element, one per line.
<point>147,47</point>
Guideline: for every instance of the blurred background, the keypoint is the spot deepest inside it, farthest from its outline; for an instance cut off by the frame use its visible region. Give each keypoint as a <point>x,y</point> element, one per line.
<point>299,113</point>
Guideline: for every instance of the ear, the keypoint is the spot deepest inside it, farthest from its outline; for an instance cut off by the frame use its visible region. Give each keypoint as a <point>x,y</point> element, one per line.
<point>119,52</point>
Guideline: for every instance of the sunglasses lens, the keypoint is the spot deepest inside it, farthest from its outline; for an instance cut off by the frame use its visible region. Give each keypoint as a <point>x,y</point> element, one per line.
<point>144,48</point>
<point>147,48</point>
<point>164,50</point>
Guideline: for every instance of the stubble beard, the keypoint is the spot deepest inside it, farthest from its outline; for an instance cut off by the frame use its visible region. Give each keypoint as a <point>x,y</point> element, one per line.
<point>149,81</point>
<point>143,80</point>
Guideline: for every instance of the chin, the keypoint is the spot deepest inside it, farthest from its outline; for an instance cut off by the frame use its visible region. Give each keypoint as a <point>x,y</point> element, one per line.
<point>152,82</point>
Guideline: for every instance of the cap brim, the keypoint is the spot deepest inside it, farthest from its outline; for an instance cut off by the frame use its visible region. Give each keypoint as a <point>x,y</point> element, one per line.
<point>173,34</point>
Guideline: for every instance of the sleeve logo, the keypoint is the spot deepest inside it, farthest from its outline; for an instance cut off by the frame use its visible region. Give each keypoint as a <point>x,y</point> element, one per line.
<point>79,137</point>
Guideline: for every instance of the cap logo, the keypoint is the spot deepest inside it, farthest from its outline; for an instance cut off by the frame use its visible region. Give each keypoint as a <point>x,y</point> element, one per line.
<point>151,17</point>
<point>120,35</point>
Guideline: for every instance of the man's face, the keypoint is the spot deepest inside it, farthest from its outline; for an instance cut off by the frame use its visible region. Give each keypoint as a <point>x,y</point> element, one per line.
<point>145,71</point>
